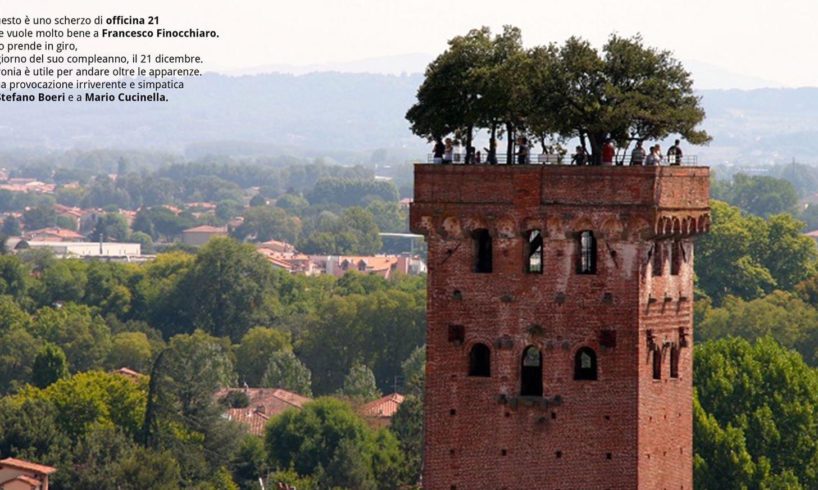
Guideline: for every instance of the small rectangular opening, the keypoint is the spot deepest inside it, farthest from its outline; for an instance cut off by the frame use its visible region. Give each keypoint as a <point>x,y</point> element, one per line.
<point>657,363</point>
<point>674,361</point>
<point>482,245</point>
<point>676,257</point>
<point>534,252</point>
<point>658,258</point>
<point>457,334</point>
<point>587,253</point>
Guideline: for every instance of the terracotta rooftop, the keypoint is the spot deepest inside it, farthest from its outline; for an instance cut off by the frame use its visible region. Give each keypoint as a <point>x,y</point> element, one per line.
<point>128,373</point>
<point>382,407</point>
<point>265,403</point>
<point>61,233</point>
<point>32,483</point>
<point>27,465</point>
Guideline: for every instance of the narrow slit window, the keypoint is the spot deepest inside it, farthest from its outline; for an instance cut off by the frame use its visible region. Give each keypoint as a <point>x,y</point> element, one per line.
<point>534,252</point>
<point>531,372</point>
<point>585,364</point>
<point>482,245</point>
<point>657,364</point>
<point>587,253</point>
<point>457,333</point>
<point>676,257</point>
<point>480,361</point>
<point>674,361</point>
<point>658,258</point>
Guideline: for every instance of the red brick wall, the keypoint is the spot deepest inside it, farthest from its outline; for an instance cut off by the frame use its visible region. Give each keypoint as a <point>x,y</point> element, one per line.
<point>624,430</point>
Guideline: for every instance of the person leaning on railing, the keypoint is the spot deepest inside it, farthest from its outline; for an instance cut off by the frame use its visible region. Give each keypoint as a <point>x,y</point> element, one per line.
<point>580,157</point>
<point>674,154</point>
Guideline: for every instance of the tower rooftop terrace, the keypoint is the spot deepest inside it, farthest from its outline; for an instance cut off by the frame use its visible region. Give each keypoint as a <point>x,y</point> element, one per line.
<point>669,187</point>
<point>674,198</point>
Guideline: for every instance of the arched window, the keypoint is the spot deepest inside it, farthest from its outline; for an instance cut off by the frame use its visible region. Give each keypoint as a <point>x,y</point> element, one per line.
<point>674,361</point>
<point>480,361</point>
<point>534,252</point>
<point>587,253</point>
<point>482,246</point>
<point>657,363</point>
<point>585,364</point>
<point>531,372</point>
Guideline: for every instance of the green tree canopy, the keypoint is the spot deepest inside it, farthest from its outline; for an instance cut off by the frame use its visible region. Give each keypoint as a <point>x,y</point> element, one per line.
<point>228,289</point>
<point>50,366</point>
<point>759,195</point>
<point>182,416</point>
<point>359,384</point>
<point>628,91</point>
<point>263,223</point>
<point>84,336</point>
<point>755,426</point>
<point>130,349</point>
<point>746,256</point>
<point>257,346</point>
<point>328,440</point>
<point>286,371</point>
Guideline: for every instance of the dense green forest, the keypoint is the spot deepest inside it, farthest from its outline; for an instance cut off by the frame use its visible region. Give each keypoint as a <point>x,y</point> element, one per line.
<point>222,317</point>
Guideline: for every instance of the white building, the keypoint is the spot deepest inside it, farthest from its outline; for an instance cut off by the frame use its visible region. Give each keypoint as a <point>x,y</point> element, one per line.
<point>85,249</point>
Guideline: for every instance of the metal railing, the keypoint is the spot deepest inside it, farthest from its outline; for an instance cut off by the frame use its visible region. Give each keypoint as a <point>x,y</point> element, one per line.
<point>551,159</point>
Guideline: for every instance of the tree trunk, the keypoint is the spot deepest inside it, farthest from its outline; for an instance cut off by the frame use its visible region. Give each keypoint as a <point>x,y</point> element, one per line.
<point>621,159</point>
<point>596,140</point>
<point>492,158</point>
<point>509,144</point>
<point>469,153</point>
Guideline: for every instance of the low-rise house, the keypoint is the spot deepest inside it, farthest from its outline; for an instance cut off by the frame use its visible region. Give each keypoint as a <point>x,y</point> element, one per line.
<point>73,213</point>
<point>278,246</point>
<point>199,235</point>
<point>292,262</point>
<point>379,412</point>
<point>18,474</point>
<point>28,185</point>
<point>263,404</point>
<point>382,265</point>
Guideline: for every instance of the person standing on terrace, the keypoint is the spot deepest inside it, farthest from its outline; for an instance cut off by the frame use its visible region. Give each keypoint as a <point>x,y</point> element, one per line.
<point>638,154</point>
<point>580,157</point>
<point>674,154</point>
<point>437,151</point>
<point>608,152</point>
<point>491,152</point>
<point>522,152</point>
<point>448,151</point>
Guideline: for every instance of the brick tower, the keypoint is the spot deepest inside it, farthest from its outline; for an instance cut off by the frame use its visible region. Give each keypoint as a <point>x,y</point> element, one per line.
<point>559,341</point>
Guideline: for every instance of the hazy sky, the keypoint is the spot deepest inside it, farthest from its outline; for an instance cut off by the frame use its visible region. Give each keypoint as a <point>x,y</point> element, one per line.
<point>774,40</point>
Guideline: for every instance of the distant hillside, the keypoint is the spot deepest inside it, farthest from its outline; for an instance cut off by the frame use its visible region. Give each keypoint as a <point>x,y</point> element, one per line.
<point>348,115</point>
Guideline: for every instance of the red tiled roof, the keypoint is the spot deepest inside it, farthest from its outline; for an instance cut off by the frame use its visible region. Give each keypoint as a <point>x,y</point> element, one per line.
<point>27,465</point>
<point>264,404</point>
<point>61,233</point>
<point>129,373</point>
<point>251,417</point>
<point>382,407</point>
